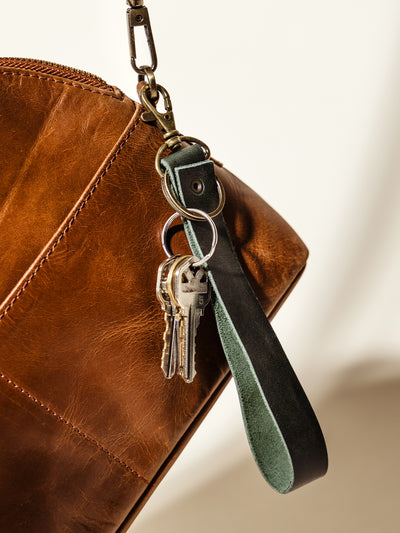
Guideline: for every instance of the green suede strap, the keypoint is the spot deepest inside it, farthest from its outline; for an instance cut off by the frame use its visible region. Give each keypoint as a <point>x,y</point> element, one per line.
<point>282,429</point>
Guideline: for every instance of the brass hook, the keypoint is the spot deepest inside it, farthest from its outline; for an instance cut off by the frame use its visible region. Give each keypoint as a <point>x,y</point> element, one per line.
<point>165,121</point>
<point>138,15</point>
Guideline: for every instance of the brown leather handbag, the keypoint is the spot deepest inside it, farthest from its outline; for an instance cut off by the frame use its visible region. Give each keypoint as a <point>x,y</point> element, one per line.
<point>89,424</point>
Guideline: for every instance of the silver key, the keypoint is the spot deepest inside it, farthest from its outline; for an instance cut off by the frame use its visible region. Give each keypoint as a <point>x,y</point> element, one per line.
<point>171,349</point>
<point>190,292</point>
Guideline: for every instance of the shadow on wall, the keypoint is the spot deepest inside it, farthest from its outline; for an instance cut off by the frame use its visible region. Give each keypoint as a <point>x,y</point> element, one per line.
<point>360,494</point>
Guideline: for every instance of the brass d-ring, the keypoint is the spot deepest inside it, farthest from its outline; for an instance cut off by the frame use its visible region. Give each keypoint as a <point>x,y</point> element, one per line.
<point>181,139</point>
<point>181,209</point>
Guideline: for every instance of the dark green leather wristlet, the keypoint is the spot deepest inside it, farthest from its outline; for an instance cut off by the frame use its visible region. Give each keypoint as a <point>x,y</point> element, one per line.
<point>282,429</point>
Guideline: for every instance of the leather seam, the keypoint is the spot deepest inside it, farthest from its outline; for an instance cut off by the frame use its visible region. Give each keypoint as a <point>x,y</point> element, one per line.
<point>54,80</point>
<point>33,274</point>
<point>72,426</point>
<point>174,453</point>
<point>69,224</point>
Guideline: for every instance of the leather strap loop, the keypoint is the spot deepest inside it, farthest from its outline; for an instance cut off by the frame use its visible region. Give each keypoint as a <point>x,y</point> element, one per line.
<point>282,429</point>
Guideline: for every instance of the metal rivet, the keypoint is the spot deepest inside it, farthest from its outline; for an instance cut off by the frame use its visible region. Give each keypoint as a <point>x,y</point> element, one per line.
<point>139,18</point>
<point>197,186</point>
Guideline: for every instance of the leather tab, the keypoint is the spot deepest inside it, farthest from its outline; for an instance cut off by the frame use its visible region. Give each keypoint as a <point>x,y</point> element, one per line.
<point>282,429</point>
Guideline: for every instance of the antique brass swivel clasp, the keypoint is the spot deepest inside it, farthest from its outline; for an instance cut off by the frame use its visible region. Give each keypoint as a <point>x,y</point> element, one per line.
<point>150,92</point>
<point>138,16</point>
<point>164,120</point>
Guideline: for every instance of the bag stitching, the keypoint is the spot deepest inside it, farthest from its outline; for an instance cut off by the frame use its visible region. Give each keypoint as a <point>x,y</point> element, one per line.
<point>70,223</point>
<point>33,274</point>
<point>75,428</point>
<point>63,82</point>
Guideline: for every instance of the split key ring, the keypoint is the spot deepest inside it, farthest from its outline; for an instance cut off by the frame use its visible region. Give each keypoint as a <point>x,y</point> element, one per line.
<point>207,218</point>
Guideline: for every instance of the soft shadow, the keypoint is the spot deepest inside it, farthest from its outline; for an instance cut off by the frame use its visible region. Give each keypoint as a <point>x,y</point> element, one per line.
<point>365,229</point>
<point>360,494</point>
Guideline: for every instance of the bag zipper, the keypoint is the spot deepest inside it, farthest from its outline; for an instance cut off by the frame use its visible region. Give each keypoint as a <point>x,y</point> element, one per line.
<point>55,69</point>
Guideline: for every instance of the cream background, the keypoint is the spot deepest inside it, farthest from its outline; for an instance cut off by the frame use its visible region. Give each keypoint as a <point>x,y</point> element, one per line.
<point>300,100</point>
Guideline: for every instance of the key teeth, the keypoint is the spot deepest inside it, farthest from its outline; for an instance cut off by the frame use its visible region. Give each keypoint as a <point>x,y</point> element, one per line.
<point>169,372</point>
<point>168,362</point>
<point>183,300</point>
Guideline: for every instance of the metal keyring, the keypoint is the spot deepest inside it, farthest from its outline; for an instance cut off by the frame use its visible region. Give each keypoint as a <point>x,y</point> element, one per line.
<point>181,209</point>
<point>182,138</point>
<point>204,217</point>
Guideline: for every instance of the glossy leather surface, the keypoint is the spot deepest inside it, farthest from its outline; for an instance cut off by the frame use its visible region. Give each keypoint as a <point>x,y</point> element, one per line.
<point>88,423</point>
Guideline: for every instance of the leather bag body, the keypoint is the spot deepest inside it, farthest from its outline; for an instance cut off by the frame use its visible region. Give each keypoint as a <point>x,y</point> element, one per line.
<point>89,425</point>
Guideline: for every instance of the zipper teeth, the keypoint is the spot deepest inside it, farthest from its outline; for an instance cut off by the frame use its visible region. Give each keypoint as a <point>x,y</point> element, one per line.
<point>55,69</point>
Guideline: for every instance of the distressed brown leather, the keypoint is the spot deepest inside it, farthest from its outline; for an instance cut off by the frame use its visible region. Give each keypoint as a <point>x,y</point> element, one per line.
<point>88,423</point>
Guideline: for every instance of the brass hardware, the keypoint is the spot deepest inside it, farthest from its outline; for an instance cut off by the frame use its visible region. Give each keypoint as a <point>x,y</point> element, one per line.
<point>182,138</point>
<point>197,187</point>
<point>149,93</point>
<point>165,121</point>
<point>181,209</point>
<point>137,15</point>
<point>151,84</point>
